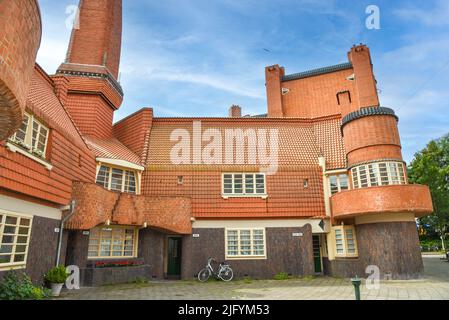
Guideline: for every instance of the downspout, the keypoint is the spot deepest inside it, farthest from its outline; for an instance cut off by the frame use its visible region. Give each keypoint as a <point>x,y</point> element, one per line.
<point>61,231</point>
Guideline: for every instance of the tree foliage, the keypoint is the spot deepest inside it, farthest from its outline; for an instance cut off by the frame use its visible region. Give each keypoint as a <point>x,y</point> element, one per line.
<point>431,167</point>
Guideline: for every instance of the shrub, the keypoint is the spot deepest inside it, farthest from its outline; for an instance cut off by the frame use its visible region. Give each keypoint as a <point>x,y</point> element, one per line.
<point>282,276</point>
<point>57,275</point>
<point>18,286</point>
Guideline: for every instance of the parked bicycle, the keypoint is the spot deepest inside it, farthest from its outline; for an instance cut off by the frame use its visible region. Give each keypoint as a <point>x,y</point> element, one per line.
<point>224,273</point>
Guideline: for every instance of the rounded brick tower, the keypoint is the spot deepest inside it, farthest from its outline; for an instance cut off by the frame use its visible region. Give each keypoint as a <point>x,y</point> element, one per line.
<point>20,36</point>
<point>381,204</point>
<point>86,82</point>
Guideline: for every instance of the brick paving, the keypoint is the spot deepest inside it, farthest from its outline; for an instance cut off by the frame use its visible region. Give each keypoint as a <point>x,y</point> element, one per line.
<point>434,286</point>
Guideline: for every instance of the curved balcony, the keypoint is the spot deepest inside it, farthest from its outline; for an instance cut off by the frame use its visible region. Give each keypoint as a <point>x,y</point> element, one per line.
<point>20,34</point>
<point>385,199</point>
<point>96,206</point>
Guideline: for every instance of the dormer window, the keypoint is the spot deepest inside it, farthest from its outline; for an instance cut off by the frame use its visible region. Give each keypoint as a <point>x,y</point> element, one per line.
<point>32,136</point>
<point>116,179</point>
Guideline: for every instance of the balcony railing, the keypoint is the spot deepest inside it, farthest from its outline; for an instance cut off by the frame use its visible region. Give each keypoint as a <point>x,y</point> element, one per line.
<point>98,206</point>
<point>385,199</point>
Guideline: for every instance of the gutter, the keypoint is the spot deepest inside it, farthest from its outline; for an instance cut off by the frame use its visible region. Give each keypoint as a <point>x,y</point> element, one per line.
<point>61,229</point>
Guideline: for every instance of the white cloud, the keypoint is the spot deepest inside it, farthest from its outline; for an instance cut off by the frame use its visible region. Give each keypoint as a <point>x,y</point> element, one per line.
<point>436,16</point>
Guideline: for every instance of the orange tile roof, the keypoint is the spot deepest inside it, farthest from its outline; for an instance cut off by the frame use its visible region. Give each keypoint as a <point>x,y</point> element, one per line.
<point>111,149</point>
<point>43,102</point>
<point>301,141</point>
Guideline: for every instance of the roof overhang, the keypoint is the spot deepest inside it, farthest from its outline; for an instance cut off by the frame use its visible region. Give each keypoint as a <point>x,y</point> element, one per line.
<point>121,163</point>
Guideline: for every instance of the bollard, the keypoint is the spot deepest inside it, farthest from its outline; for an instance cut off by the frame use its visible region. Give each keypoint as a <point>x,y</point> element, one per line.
<point>357,282</point>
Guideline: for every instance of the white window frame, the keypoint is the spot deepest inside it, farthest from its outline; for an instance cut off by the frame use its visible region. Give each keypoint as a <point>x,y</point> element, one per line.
<point>124,171</point>
<point>252,256</point>
<point>338,176</point>
<point>243,194</point>
<point>399,172</point>
<point>27,144</point>
<point>111,257</point>
<point>343,231</point>
<point>22,264</point>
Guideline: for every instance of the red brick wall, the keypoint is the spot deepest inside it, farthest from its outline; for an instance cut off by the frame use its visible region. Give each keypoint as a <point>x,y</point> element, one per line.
<point>273,77</point>
<point>98,40</point>
<point>96,205</point>
<point>20,35</point>
<point>133,130</point>
<point>91,114</point>
<point>378,132</point>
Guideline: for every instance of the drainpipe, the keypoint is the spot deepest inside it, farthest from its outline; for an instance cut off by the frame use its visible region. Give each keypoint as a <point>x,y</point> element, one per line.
<point>61,230</point>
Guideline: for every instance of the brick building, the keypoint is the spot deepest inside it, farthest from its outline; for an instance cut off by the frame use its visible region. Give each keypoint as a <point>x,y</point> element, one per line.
<point>318,185</point>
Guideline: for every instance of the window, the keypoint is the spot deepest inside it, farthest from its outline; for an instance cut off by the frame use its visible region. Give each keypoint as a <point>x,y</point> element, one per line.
<point>378,174</point>
<point>32,136</point>
<point>15,233</point>
<point>117,179</point>
<point>338,183</point>
<point>112,242</point>
<point>244,184</point>
<point>245,243</point>
<point>345,241</point>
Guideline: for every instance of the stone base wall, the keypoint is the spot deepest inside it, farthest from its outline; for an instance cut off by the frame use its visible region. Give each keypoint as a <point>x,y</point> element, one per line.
<point>285,253</point>
<point>93,277</point>
<point>42,249</point>
<point>393,247</point>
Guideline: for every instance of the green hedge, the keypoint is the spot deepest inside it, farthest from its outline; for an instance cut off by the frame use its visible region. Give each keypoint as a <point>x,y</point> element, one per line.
<point>431,245</point>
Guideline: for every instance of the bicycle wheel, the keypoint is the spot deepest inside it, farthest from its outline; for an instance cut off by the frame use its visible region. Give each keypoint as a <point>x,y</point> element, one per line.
<point>204,275</point>
<point>226,274</point>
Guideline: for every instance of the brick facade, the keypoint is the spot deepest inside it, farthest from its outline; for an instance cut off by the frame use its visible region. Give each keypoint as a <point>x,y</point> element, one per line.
<point>20,36</point>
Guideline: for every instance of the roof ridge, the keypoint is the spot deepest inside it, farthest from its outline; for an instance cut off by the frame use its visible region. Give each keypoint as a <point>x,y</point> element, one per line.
<point>318,71</point>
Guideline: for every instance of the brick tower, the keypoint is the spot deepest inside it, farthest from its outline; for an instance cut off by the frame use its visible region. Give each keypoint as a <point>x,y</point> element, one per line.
<point>86,82</point>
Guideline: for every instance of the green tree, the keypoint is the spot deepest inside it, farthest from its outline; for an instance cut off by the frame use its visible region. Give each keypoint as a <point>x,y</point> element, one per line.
<point>431,167</point>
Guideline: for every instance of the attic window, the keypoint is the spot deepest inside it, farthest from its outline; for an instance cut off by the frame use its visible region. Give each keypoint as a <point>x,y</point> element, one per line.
<point>32,136</point>
<point>116,179</point>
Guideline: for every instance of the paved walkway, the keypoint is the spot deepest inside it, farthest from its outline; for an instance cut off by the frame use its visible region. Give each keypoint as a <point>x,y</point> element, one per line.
<point>434,286</point>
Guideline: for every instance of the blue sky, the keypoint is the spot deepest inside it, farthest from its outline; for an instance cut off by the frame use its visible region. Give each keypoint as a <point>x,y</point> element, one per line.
<point>198,57</point>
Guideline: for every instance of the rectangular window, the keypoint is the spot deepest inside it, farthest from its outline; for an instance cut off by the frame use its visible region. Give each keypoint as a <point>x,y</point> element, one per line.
<point>117,179</point>
<point>338,183</point>
<point>112,242</point>
<point>345,241</point>
<point>15,233</point>
<point>244,184</point>
<point>32,136</point>
<point>245,243</point>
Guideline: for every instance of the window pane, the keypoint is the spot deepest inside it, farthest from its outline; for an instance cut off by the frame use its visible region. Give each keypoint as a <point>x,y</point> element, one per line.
<point>21,133</point>
<point>344,183</point>
<point>334,184</point>
<point>117,180</point>
<point>238,184</point>
<point>25,222</point>
<point>130,182</point>
<point>115,242</point>
<point>363,177</point>
<point>11,220</point>
<point>9,230</point>
<point>383,174</point>
<point>8,239</point>
<point>339,241</point>
<point>373,175</point>
<point>5,259</point>
<point>401,173</point>
<point>103,176</point>
<point>355,178</point>
<point>394,173</point>
<point>19,258</point>
<point>260,184</point>
<point>249,184</point>
<point>6,249</point>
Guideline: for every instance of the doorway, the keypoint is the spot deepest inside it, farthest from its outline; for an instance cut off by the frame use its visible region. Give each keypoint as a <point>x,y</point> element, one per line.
<point>317,254</point>
<point>174,254</point>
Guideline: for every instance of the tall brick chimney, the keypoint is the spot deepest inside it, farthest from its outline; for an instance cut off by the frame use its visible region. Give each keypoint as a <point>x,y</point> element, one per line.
<point>273,77</point>
<point>235,111</point>
<point>365,82</point>
<point>92,67</point>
